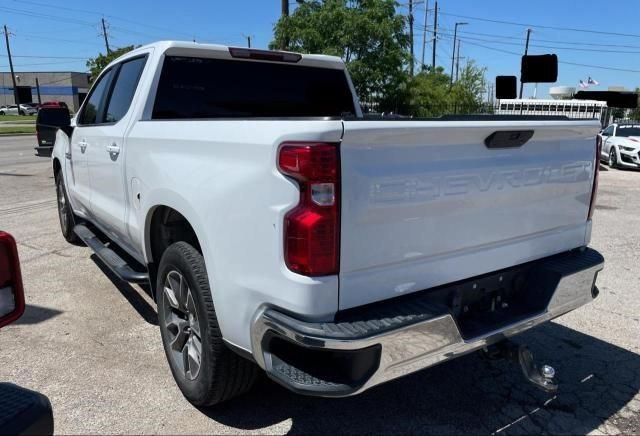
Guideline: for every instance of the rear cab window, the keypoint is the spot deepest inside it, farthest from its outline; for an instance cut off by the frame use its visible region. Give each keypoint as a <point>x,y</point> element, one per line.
<point>206,88</point>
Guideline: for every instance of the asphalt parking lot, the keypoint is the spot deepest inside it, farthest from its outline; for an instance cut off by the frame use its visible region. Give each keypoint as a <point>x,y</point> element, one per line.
<point>91,344</point>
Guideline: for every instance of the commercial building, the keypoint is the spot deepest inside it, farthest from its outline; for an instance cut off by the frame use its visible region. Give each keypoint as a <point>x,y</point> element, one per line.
<point>68,86</point>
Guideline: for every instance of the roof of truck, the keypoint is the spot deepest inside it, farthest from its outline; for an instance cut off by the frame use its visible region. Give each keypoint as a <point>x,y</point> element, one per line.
<point>189,47</point>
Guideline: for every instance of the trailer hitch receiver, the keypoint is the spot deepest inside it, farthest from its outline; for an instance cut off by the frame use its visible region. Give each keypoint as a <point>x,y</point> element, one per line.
<point>541,376</point>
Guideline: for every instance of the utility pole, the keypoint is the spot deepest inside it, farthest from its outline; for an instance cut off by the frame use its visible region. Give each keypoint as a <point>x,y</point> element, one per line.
<point>526,50</point>
<point>435,37</point>
<point>13,74</point>
<point>106,39</point>
<point>453,55</point>
<point>38,89</point>
<point>285,13</point>
<point>411,64</point>
<point>458,60</point>
<point>249,41</point>
<point>424,32</point>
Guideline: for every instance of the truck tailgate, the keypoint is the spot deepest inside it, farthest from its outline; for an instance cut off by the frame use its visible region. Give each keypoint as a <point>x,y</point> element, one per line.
<point>425,203</point>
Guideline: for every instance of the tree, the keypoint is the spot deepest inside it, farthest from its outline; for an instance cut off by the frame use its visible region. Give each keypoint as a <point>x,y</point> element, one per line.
<point>367,34</point>
<point>97,64</point>
<point>635,113</point>
<point>431,95</point>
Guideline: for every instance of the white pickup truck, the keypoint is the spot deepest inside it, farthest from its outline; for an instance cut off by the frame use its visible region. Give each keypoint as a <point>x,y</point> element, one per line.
<point>280,229</point>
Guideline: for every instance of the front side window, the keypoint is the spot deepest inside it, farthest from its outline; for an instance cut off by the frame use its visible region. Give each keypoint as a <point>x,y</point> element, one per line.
<point>608,131</point>
<point>95,102</point>
<point>124,89</point>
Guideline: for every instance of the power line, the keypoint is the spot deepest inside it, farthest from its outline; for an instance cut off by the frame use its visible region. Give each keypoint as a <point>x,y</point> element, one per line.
<point>46,57</point>
<point>625,70</point>
<point>45,16</point>
<point>40,63</point>
<point>86,11</point>
<point>567,29</point>
<point>544,46</point>
<point>69,41</point>
<point>581,43</point>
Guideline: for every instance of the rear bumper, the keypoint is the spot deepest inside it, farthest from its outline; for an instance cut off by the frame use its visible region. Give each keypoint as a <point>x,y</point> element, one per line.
<point>44,151</point>
<point>381,342</point>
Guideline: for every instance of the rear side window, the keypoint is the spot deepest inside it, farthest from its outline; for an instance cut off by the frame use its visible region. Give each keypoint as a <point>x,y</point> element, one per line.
<point>124,88</point>
<point>95,102</point>
<point>192,88</point>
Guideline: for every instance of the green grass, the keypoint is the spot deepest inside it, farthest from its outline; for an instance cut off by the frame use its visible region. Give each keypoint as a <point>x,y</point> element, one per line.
<point>18,119</point>
<point>17,130</point>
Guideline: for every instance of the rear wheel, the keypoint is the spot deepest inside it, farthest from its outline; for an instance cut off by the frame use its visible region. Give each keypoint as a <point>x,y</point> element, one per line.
<point>65,213</point>
<point>205,369</point>
<point>613,158</point>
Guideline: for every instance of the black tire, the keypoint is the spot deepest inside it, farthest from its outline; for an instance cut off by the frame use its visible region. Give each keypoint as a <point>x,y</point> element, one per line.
<point>65,213</point>
<point>613,158</point>
<point>220,374</point>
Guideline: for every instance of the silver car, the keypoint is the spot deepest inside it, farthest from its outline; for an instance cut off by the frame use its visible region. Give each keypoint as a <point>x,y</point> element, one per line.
<point>13,110</point>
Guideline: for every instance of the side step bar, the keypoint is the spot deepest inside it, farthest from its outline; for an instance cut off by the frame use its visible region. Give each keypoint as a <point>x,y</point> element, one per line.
<point>110,258</point>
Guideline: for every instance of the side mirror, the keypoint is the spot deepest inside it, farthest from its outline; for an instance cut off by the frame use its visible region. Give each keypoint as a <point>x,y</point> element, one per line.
<point>54,117</point>
<point>11,290</point>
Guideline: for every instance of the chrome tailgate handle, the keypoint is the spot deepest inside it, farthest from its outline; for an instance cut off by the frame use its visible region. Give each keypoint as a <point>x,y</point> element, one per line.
<point>508,138</point>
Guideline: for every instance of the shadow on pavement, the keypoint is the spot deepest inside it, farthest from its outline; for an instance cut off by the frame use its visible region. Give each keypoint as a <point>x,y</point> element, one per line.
<point>36,314</point>
<point>468,395</point>
<point>144,309</point>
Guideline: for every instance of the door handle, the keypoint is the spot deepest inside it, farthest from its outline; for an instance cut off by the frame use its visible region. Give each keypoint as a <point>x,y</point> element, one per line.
<point>113,148</point>
<point>83,145</point>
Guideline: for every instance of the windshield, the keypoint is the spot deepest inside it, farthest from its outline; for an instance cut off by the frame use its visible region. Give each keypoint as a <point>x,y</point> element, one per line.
<point>628,131</point>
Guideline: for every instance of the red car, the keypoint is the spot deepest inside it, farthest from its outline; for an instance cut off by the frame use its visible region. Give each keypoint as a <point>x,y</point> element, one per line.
<point>27,412</point>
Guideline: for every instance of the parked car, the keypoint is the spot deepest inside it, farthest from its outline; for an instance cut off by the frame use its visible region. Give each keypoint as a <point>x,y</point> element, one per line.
<point>46,127</point>
<point>621,145</point>
<point>13,110</point>
<point>281,230</point>
<point>22,411</point>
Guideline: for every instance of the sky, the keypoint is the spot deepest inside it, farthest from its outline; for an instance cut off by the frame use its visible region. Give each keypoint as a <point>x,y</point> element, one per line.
<point>59,35</point>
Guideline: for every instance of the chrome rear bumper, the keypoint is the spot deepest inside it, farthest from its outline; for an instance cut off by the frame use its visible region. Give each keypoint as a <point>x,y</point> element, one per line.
<point>419,336</point>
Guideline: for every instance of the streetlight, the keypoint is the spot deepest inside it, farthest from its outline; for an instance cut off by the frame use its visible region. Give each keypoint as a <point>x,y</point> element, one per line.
<point>453,55</point>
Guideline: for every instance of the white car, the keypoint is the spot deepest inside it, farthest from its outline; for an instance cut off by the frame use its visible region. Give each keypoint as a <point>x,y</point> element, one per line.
<point>281,230</point>
<point>621,145</point>
<point>13,110</point>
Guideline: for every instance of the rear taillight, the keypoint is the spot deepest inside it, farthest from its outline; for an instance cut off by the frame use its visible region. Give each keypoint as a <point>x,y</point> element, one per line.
<point>11,292</point>
<point>596,174</point>
<point>312,228</point>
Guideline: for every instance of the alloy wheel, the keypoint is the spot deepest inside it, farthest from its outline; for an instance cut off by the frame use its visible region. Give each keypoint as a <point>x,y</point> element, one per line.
<point>62,208</point>
<point>182,325</point>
